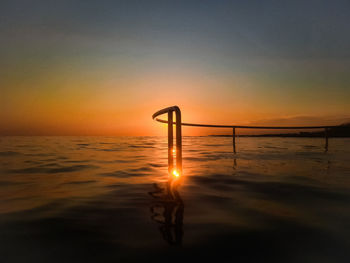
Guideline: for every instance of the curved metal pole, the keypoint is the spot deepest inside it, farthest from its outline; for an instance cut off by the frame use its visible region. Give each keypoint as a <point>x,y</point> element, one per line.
<point>170,142</point>
<point>170,123</point>
<point>178,140</point>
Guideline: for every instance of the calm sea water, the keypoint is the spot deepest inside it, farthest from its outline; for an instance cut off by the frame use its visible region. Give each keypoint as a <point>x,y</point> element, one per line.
<point>94,199</point>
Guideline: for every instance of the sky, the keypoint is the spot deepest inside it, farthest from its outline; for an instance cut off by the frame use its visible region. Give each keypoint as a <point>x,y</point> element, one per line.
<point>104,67</point>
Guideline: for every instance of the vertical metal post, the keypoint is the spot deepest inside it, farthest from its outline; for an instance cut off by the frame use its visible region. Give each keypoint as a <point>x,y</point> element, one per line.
<point>170,142</point>
<point>234,139</point>
<point>326,136</point>
<point>178,141</point>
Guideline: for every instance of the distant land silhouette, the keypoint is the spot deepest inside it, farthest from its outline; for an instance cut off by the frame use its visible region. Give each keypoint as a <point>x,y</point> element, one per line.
<point>342,130</point>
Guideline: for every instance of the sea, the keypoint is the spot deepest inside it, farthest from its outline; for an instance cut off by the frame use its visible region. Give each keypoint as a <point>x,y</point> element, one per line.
<point>107,199</point>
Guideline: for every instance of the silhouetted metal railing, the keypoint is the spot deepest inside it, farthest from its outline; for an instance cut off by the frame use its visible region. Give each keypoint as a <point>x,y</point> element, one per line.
<point>179,124</point>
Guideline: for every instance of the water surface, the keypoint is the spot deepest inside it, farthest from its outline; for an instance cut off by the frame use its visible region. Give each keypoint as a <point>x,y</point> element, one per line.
<point>89,199</point>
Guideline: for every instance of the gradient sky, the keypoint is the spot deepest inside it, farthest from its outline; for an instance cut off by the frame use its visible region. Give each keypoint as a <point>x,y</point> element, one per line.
<point>103,67</point>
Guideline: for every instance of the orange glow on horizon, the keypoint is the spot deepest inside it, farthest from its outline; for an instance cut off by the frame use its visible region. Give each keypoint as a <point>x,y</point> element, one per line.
<point>123,107</point>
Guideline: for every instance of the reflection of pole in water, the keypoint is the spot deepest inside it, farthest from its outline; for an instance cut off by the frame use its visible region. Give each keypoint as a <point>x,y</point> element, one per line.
<point>167,210</point>
<point>172,226</point>
<point>326,137</point>
<point>234,166</point>
<point>328,168</point>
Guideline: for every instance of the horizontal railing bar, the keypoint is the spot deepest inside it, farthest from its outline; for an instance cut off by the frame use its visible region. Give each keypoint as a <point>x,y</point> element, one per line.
<point>240,126</point>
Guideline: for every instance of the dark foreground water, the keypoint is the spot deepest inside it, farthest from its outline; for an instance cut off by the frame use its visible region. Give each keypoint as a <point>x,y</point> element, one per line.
<point>87,199</point>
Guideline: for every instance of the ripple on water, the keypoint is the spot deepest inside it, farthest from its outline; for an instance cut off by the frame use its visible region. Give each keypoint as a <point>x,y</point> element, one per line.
<point>65,169</point>
<point>9,153</point>
<point>133,172</point>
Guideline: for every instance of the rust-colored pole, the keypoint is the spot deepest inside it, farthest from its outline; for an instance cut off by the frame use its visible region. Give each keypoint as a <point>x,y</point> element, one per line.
<point>170,142</point>
<point>326,136</point>
<point>178,141</point>
<point>234,139</point>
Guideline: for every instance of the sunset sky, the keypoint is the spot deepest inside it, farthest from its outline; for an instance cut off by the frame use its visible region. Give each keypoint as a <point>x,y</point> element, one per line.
<point>104,67</point>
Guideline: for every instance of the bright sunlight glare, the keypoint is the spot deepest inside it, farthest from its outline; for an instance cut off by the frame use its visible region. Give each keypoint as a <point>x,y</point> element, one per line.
<point>175,173</point>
